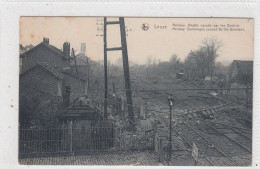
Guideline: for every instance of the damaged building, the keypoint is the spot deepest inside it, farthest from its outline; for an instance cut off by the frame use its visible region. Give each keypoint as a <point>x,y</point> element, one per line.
<point>46,77</point>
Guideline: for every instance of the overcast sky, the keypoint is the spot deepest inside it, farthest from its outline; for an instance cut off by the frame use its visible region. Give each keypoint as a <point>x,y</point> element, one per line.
<point>158,43</point>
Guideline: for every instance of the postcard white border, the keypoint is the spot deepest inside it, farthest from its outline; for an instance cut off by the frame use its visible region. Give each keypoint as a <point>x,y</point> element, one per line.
<point>11,10</point>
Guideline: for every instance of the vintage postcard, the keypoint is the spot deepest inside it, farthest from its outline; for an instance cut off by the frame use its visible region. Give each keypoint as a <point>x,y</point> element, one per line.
<point>135,91</point>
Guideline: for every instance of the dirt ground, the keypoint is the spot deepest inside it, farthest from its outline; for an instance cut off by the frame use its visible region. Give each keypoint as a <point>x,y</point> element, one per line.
<point>147,158</point>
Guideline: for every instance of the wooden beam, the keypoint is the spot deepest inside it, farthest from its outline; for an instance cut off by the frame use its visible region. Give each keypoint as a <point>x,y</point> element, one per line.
<point>127,74</point>
<point>113,49</point>
<point>112,22</point>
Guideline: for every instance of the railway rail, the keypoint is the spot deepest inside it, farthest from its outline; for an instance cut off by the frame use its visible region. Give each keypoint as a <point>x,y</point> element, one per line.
<point>234,135</point>
<point>210,149</point>
<point>227,145</point>
<point>207,144</point>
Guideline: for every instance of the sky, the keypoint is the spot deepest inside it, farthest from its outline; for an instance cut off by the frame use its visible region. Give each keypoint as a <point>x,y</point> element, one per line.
<point>164,37</point>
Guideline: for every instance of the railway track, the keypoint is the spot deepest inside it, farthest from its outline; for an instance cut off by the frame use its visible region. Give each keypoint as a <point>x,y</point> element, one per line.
<point>206,147</point>
<point>240,117</point>
<point>234,135</point>
<point>227,144</point>
<point>184,105</point>
<point>160,97</point>
<point>234,142</point>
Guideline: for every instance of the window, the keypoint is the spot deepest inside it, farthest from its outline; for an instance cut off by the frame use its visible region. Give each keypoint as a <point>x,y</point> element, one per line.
<point>59,88</point>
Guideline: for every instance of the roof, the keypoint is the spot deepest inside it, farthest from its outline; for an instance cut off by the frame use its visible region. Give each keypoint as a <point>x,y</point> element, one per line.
<point>74,74</point>
<point>83,109</point>
<point>51,47</point>
<point>46,69</point>
<point>243,66</point>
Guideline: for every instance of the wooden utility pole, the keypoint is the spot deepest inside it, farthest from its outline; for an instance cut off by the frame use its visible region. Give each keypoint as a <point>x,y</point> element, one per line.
<point>105,68</point>
<point>123,47</point>
<point>73,53</point>
<point>126,73</point>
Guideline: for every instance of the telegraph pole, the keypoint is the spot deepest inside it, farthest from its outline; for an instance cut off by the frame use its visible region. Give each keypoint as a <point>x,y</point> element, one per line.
<point>126,73</point>
<point>105,67</point>
<point>123,48</point>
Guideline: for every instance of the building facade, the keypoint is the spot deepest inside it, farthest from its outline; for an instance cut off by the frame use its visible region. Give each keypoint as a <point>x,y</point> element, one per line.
<point>47,82</point>
<point>46,54</point>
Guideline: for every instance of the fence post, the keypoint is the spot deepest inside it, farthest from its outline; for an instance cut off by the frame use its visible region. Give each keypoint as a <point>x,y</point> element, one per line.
<point>120,138</point>
<point>70,134</point>
<point>160,147</point>
<point>153,144</point>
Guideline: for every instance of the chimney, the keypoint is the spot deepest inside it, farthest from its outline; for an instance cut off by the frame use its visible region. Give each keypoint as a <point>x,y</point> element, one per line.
<point>66,49</point>
<point>46,41</point>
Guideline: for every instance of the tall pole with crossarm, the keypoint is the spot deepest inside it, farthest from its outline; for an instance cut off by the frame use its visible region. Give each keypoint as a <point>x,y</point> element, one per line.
<point>123,48</point>
<point>105,68</point>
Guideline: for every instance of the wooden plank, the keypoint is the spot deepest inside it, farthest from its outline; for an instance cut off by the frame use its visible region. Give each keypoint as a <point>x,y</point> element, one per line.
<point>113,49</point>
<point>112,22</point>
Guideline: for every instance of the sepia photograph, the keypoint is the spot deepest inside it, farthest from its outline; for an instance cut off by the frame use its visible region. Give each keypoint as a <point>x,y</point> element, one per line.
<point>135,91</point>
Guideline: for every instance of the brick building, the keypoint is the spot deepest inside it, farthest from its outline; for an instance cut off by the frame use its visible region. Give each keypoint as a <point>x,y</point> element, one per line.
<point>83,64</point>
<point>71,83</point>
<point>46,54</point>
<point>46,78</point>
<point>40,81</point>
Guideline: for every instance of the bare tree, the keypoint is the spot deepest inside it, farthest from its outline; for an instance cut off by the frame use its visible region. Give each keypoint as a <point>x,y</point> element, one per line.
<point>213,47</point>
<point>175,64</point>
<point>174,59</point>
<point>201,62</point>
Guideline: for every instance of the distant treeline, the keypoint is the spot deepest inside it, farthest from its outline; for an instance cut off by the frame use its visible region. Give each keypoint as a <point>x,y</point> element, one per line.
<point>198,64</point>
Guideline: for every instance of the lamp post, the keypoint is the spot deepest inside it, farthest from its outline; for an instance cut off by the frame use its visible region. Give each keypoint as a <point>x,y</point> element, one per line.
<point>171,103</point>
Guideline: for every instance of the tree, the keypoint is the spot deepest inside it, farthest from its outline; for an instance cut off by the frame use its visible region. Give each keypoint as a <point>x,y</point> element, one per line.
<point>212,46</point>
<point>190,65</point>
<point>201,62</point>
<point>175,64</point>
<point>174,59</point>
